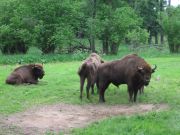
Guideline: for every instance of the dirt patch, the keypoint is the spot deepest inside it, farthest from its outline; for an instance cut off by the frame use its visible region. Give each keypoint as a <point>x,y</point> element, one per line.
<point>64,117</point>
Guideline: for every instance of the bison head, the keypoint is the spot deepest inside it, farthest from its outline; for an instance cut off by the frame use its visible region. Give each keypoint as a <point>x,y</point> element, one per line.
<point>145,73</point>
<point>38,71</point>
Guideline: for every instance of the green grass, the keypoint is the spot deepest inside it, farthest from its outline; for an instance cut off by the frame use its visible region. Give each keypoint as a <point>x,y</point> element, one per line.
<point>155,123</point>
<point>61,84</point>
<point>166,90</point>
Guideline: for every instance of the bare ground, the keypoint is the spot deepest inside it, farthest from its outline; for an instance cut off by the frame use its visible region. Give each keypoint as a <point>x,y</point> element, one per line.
<point>64,117</point>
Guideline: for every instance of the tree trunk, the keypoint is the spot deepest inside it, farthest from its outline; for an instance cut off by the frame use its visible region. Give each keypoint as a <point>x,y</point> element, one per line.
<point>162,37</point>
<point>92,43</point>
<point>161,31</point>
<point>176,48</point>
<point>91,36</point>
<point>169,2</point>
<point>17,48</point>
<point>48,49</point>
<point>156,38</point>
<point>114,48</point>
<point>105,46</point>
<point>150,39</point>
<point>171,48</point>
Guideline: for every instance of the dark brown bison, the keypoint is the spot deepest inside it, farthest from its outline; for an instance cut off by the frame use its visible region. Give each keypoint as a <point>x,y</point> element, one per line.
<point>88,70</point>
<point>26,74</point>
<point>131,70</point>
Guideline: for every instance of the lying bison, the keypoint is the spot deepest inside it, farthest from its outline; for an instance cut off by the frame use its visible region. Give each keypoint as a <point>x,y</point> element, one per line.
<point>88,70</point>
<point>26,74</point>
<point>131,70</point>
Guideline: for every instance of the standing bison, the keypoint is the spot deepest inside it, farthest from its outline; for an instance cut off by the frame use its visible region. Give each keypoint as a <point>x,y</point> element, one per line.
<point>131,70</point>
<point>26,74</point>
<point>88,70</point>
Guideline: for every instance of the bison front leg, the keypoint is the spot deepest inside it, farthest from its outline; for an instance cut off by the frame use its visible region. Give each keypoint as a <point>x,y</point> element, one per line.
<point>32,81</point>
<point>82,79</point>
<point>130,91</point>
<point>135,94</point>
<point>102,89</point>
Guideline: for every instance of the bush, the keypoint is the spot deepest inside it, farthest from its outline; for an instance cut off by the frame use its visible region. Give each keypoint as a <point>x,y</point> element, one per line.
<point>13,41</point>
<point>137,37</point>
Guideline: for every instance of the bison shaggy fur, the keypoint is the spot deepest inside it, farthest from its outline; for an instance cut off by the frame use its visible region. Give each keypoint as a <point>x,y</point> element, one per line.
<point>26,74</point>
<point>88,70</point>
<point>131,70</point>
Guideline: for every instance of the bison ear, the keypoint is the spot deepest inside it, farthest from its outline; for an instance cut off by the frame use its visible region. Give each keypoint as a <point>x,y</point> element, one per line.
<point>102,61</point>
<point>39,66</point>
<point>36,68</point>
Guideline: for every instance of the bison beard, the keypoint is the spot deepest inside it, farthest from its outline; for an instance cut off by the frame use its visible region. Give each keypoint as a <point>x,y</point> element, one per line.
<point>131,70</point>
<point>88,70</point>
<point>26,74</point>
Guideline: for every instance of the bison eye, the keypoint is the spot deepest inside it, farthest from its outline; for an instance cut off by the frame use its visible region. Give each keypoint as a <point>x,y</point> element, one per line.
<point>141,71</point>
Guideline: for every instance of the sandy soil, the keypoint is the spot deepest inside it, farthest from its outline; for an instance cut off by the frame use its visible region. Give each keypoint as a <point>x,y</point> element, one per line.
<point>64,117</point>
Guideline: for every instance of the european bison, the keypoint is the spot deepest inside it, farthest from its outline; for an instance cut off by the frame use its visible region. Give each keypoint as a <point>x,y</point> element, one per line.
<point>88,70</point>
<point>131,70</point>
<point>26,74</point>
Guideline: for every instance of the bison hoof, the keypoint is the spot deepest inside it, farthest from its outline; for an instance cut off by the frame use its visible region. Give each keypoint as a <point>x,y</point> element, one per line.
<point>101,101</point>
<point>130,100</point>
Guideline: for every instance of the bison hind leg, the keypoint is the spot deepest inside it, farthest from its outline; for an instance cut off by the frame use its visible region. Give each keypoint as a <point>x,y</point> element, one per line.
<point>14,79</point>
<point>8,81</point>
<point>88,87</point>
<point>92,88</point>
<point>82,79</point>
<point>135,94</point>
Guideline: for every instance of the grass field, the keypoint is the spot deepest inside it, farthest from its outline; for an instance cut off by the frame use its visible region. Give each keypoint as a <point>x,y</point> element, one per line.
<point>61,84</point>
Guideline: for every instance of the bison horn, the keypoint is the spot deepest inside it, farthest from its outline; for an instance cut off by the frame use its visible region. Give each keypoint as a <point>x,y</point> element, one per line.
<point>140,68</point>
<point>153,70</point>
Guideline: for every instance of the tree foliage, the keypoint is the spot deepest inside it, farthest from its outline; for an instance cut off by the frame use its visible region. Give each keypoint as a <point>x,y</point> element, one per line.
<point>171,24</point>
<point>55,25</point>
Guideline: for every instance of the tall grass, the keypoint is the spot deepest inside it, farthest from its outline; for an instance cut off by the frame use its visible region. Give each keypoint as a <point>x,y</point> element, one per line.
<point>35,56</point>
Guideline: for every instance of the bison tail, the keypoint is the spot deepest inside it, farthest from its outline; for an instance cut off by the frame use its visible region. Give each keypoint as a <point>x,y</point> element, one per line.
<point>82,69</point>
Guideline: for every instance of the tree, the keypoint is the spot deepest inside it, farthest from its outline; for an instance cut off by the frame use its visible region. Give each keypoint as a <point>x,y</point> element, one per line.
<point>137,37</point>
<point>148,10</point>
<point>171,24</point>
<point>15,33</point>
<point>91,22</point>
<point>114,23</point>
